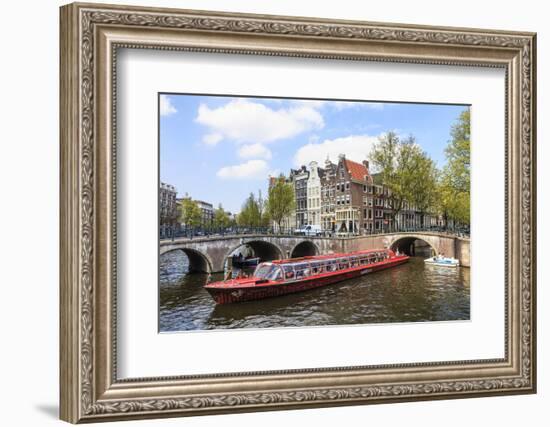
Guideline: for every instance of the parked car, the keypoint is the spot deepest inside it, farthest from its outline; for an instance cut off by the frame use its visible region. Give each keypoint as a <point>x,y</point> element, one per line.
<point>309,230</point>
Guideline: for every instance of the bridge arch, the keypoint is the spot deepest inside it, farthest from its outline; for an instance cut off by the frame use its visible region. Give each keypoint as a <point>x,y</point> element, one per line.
<point>265,250</point>
<point>198,261</point>
<point>405,244</point>
<point>304,248</point>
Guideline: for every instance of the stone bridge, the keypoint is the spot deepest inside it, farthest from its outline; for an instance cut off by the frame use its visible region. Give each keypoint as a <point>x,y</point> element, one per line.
<point>209,254</point>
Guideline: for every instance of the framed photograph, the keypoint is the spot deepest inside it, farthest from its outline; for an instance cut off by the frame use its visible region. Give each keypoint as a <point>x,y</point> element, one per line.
<point>267,212</point>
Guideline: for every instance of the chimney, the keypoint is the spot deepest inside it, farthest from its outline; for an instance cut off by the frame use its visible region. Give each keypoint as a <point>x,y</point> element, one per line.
<point>341,156</point>
<point>366,163</point>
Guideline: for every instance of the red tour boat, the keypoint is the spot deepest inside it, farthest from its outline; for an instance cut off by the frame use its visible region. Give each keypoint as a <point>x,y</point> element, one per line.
<point>287,276</point>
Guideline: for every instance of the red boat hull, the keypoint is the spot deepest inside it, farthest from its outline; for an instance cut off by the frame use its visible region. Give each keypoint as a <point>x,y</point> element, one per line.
<point>255,292</point>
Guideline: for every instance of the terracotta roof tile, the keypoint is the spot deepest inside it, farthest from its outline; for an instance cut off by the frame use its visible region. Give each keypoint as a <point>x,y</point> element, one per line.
<point>356,170</point>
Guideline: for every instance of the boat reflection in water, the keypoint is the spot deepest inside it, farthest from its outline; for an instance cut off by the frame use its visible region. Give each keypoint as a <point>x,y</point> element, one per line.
<point>283,277</point>
<point>411,292</point>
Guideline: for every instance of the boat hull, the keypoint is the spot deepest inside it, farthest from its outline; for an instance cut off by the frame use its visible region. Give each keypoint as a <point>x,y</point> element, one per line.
<point>451,264</point>
<point>250,293</point>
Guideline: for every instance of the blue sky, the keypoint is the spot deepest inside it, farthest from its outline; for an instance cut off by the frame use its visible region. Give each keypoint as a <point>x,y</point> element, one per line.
<point>219,148</point>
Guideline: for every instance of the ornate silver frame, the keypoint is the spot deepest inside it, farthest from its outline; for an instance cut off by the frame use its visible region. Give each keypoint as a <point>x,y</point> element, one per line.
<point>90,36</point>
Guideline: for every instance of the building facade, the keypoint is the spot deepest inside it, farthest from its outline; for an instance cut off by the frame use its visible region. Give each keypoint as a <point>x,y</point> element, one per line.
<point>314,195</point>
<point>345,198</point>
<point>299,178</point>
<point>328,196</point>
<point>207,213</point>
<point>352,179</point>
<point>168,213</point>
<point>382,207</point>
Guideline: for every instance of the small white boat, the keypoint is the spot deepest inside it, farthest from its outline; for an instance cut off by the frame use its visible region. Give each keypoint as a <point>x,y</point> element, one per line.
<point>442,261</point>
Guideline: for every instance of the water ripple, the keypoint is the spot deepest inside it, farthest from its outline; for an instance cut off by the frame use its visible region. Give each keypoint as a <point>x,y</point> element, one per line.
<point>411,292</point>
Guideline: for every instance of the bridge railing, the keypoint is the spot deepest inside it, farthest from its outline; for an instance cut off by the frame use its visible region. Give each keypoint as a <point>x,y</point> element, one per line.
<point>171,233</point>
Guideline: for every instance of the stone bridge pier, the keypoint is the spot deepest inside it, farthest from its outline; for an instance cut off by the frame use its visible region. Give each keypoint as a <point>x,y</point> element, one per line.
<point>209,254</point>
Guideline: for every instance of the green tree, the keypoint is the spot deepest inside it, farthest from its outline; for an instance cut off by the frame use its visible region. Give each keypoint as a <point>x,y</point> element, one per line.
<point>458,153</point>
<point>406,171</point>
<point>264,213</point>
<point>250,215</point>
<point>190,213</point>
<point>453,190</point>
<point>452,204</point>
<point>384,157</point>
<point>281,202</point>
<point>424,189</point>
<point>221,218</point>
<point>445,197</point>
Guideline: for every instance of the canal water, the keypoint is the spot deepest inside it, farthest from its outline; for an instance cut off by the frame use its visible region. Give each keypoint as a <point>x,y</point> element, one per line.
<point>411,292</point>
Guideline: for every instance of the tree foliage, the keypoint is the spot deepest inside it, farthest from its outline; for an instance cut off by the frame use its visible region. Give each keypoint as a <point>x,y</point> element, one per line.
<point>406,170</point>
<point>264,213</point>
<point>281,201</point>
<point>221,218</point>
<point>452,204</point>
<point>190,213</point>
<point>252,212</point>
<point>454,182</point>
<point>424,186</point>
<point>458,154</point>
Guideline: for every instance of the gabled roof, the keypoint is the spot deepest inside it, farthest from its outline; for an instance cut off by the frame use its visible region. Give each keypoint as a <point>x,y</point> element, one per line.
<point>358,171</point>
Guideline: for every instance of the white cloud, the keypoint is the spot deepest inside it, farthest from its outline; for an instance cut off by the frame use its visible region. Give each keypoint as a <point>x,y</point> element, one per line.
<point>255,150</point>
<point>339,105</point>
<point>250,169</point>
<point>212,138</point>
<point>342,105</point>
<point>355,147</point>
<point>166,106</point>
<point>313,139</point>
<point>244,121</point>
